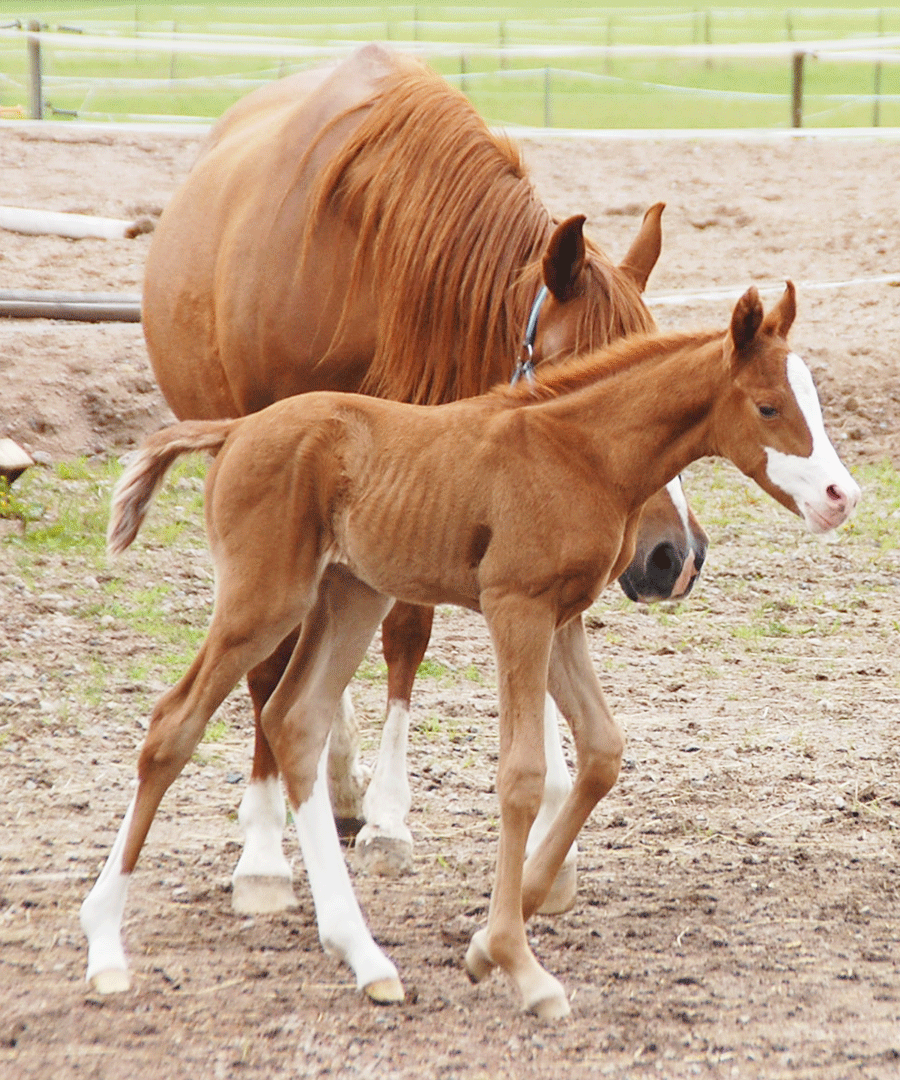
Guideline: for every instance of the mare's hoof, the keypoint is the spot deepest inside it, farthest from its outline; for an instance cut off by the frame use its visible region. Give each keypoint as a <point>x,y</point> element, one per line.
<point>385,991</point>
<point>555,1007</point>
<point>563,891</point>
<point>383,856</point>
<point>111,981</point>
<point>258,895</point>
<point>478,962</point>
<point>348,827</point>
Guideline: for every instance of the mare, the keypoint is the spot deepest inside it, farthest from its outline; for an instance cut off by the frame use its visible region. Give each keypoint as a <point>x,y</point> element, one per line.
<point>315,518</point>
<point>358,228</point>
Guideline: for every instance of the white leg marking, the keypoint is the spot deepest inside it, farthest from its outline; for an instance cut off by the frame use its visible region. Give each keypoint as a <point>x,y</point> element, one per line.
<point>347,775</point>
<point>825,493</point>
<point>384,844</point>
<point>557,785</point>
<point>342,928</point>
<point>262,816</point>
<point>101,919</point>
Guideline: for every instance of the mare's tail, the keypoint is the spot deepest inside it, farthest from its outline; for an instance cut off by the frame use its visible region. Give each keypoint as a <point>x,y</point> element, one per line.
<point>144,476</point>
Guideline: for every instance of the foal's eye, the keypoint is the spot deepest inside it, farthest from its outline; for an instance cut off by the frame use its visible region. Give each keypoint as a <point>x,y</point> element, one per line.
<point>768,412</point>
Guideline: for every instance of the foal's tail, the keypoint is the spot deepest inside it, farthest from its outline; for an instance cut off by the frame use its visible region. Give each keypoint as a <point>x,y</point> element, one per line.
<point>144,476</point>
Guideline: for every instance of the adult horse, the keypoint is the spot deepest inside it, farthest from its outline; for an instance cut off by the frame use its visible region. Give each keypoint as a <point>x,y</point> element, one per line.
<point>299,517</point>
<point>358,228</point>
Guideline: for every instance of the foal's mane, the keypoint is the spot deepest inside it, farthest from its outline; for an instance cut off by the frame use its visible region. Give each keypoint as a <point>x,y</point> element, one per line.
<point>555,381</point>
<point>452,232</point>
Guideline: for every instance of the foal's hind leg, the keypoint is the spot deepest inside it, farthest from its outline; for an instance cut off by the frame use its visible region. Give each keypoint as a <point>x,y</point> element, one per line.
<point>176,726</point>
<point>384,844</point>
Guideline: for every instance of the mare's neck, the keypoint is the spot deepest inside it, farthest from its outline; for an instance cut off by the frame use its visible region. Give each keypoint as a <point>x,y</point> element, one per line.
<point>647,419</point>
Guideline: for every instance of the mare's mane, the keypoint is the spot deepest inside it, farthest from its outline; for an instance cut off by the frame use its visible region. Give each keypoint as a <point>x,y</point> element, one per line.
<point>450,231</point>
<point>556,380</point>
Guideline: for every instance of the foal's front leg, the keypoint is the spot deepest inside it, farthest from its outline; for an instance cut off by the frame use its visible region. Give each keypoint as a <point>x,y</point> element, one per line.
<point>176,726</point>
<point>296,722</point>
<point>557,785</point>
<point>521,631</point>
<point>599,745</point>
<point>262,882</point>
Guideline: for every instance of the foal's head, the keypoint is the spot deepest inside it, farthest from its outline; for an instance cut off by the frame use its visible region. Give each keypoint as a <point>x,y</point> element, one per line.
<point>771,424</point>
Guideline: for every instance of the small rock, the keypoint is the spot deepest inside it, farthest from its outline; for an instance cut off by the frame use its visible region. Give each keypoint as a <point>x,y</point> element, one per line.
<point>13,460</point>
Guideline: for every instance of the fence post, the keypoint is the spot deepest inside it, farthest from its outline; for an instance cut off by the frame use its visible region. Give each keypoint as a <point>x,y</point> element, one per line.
<point>36,93</point>
<point>797,92</point>
<point>876,106</point>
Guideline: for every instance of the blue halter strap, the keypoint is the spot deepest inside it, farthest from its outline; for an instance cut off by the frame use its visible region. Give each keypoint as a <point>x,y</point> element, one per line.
<point>525,365</point>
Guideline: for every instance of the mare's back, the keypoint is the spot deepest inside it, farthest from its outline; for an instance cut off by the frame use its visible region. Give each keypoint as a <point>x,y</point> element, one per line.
<point>230,239</point>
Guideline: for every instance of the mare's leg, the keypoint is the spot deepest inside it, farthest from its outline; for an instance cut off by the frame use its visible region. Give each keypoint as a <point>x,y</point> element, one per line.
<point>384,844</point>
<point>176,726</point>
<point>557,785</point>
<point>296,721</point>
<point>521,631</point>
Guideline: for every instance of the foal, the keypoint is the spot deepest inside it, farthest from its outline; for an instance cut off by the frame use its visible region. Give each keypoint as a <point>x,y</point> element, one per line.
<point>521,504</point>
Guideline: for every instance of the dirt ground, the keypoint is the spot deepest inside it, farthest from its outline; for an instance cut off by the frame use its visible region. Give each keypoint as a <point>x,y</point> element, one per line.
<point>738,906</point>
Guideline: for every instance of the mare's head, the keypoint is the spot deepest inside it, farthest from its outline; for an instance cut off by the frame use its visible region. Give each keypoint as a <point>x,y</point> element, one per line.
<point>669,551</point>
<point>770,424</point>
<point>587,301</point>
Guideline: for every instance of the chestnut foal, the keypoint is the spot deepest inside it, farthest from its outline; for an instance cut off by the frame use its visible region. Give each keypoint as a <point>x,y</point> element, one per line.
<point>521,504</point>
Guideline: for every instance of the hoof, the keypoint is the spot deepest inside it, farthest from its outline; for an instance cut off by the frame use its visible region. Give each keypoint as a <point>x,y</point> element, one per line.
<point>348,827</point>
<point>555,1007</point>
<point>385,991</point>
<point>111,981</point>
<point>478,963</point>
<point>383,856</point>
<point>254,895</point>
<point>563,891</point>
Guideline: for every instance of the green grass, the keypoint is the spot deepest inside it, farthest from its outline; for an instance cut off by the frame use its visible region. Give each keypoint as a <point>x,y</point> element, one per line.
<point>65,526</point>
<point>562,92</point>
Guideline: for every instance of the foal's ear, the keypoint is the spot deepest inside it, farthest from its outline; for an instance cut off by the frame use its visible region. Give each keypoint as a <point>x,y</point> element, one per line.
<point>645,247</point>
<point>564,258</point>
<point>746,319</point>
<point>781,317</point>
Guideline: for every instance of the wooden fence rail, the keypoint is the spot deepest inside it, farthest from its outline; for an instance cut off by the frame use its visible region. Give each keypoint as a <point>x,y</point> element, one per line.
<point>876,50</point>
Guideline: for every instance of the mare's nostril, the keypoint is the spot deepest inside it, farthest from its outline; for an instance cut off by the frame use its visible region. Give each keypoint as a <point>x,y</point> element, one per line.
<point>663,557</point>
<point>834,493</point>
<point>663,567</point>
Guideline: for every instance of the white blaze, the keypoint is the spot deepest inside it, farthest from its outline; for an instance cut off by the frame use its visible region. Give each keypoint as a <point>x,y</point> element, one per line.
<point>820,485</point>
<point>676,494</point>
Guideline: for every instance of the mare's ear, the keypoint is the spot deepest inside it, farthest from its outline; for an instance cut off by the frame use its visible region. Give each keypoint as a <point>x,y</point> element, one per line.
<point>645,247</point>
<point>781,317</point>
<point>746,319</point>
<point>564,258</point>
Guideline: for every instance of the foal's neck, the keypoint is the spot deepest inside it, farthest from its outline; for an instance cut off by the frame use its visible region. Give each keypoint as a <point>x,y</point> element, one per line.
<point>648,416</point>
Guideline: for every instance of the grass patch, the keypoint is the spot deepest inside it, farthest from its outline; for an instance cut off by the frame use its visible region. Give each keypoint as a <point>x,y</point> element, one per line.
<point>562,90</point>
